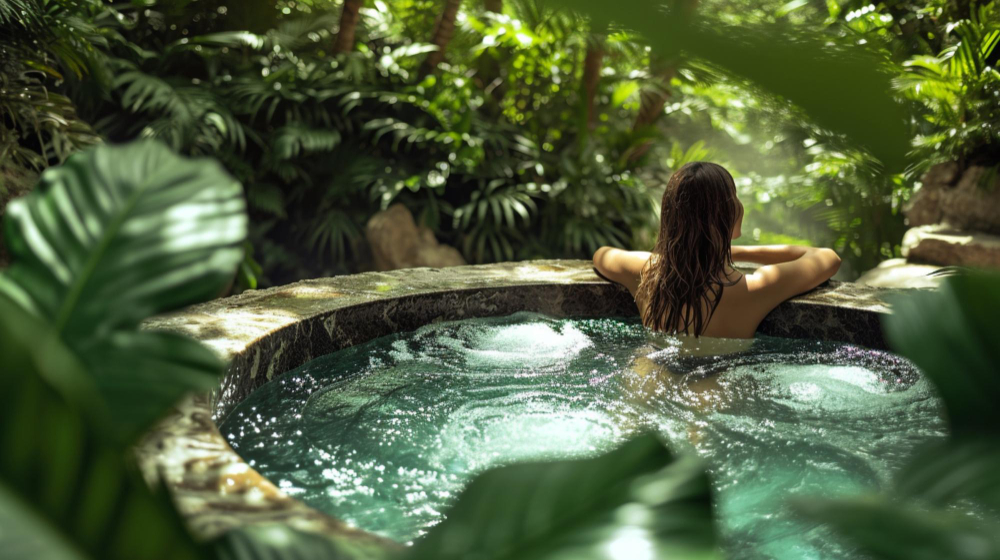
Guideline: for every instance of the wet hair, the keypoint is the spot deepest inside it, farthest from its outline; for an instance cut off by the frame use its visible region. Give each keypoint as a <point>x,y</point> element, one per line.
<point>684,277</point>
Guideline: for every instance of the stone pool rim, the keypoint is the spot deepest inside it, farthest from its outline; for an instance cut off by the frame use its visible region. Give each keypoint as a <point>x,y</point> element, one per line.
<point>264,333</point>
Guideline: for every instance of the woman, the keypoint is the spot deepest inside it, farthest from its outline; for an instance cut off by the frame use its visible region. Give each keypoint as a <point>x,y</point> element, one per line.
<point>688,284</point>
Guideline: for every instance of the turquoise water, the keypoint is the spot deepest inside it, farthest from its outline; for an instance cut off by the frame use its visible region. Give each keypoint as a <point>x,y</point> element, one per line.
<point>384,435</point>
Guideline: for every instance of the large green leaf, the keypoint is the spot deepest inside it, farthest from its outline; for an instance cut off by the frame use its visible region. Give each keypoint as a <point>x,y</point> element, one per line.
<point>115,235</point>
<point>842,90</point>
<point>120,233</point>
<point>631,501</point>
<point>891,531</point>
<point>25,535</point>
<point>945,473</point>
<point>279,542</point>
<point>59,464</point>
<point>141,373</point>
<point>952,335</point>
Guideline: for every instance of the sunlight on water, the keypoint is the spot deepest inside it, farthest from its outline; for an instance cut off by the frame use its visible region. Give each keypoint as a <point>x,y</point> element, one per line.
<point>384,435</point>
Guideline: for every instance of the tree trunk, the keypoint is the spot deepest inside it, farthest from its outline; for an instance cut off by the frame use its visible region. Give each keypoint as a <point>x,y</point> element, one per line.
<point>653,102</point>
<point>443,32</point>
<point>348,24</point>
<point>495,6</point>
<point>592,64</point>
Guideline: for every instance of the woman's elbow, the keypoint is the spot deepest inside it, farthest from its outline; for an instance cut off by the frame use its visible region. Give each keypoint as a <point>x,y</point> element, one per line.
<point>599,257</point>
<point>602,262</point>
<point>832,261</point>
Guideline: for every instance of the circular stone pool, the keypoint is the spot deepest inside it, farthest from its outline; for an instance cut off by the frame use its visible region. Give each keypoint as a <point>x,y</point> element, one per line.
<point>387,433</point>
<point>272,335</point>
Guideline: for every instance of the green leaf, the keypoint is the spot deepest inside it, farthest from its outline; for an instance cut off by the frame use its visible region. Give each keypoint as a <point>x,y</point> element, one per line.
<point>295,139</point>
<point>951,334</point>
<point>142,373</point>
<point>113,236</point>
<point>267,197</point>
<point>790,7</point>
<point>631,497</point>
<point>890,531</point>
<point>842,90</point>
<point>117,234</point>
<point>25,535</point>
<point>280,542</point>
<point>623,91</point>
<point>59,464</point>
<point>954,470</point>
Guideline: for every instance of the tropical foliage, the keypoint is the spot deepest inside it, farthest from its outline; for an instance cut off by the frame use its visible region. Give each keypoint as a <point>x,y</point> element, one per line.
<point>94,253</point>
<point>513,130</point>
<point>510,129</point>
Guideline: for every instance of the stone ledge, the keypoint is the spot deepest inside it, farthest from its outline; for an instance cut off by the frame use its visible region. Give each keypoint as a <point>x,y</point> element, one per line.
<point>264,333</point>
<point>943,245</point>
<point>897,273</point>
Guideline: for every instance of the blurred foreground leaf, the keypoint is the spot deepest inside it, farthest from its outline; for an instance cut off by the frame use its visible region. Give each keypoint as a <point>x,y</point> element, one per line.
<point>842,90</point>
<point>630,502</point>
<point>893,531</point>
<point>24,535</point>
<point>280,542</point>
<point>113,236</point>
<point>955,470</point>
<point>953,336</point>
<point>60,465</point>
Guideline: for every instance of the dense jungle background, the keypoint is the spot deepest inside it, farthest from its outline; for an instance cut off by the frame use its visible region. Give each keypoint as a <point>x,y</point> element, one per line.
<point>509,129</point>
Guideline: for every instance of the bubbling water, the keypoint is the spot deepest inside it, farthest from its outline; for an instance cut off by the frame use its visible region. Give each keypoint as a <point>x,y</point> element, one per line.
<point>385,434</point>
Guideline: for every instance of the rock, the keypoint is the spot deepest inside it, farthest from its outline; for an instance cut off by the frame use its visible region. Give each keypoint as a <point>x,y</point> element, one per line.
<point>962,201</point>
<point>974,205</point>
<point>943,245</point>
<point>397,242</point>
<point>942,174</point>
<point>897,273</point>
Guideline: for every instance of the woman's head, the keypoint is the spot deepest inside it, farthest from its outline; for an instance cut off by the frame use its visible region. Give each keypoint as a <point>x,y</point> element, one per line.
<point>699,217</point>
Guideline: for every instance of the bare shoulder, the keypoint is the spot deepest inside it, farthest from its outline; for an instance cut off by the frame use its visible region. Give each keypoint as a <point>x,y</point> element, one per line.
<point>621,266</point>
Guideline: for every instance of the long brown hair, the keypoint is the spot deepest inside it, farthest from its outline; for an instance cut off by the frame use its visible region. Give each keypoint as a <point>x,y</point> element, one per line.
<point>683,278</point>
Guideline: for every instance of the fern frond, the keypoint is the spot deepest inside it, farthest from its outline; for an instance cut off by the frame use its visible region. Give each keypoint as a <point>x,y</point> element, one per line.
<point>292,140</point>
<point>331,233</point>
<point>267,197</point>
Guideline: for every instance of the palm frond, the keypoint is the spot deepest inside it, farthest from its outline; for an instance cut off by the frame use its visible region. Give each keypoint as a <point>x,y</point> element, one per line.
<point>293,140</point>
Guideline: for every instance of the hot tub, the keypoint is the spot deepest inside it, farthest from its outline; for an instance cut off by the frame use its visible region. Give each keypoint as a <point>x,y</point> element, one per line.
<point>264,334</point>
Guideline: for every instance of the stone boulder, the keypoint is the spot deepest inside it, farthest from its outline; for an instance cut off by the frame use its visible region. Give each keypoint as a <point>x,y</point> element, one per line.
<point>897,273</point>
<point>943,245</point>
<point>968,201</point>
<point>396,242</point>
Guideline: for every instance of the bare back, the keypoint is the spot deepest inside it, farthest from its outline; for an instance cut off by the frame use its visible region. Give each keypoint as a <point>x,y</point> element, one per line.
<point>744,302</point>
<point>732,318</point>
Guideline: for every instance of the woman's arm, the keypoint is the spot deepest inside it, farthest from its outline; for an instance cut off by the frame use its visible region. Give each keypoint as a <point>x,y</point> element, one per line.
<point>772,284</point>
<point>768,254</point>
<point>621,266</point>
